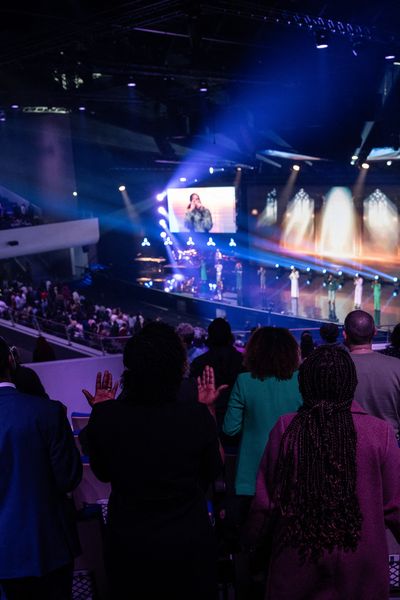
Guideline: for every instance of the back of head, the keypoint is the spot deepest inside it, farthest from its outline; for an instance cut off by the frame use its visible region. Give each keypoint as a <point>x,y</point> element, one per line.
<point>5,354</point>
<point>329,332</point>
<point>328,375</point>
<point>395,336</point>
<point>154,361</point>
<point>219,333</point>
<point>185,332</point>
<point>316,473</point>
<point>359,327</point>
<point>306,344</point>
<point>272,352</point>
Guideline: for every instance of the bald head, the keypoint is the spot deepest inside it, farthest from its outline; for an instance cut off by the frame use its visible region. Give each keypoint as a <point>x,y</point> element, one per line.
<point>359,327</point>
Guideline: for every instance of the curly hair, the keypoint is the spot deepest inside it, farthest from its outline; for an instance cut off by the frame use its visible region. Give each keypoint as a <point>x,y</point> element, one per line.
<point>272,352</point>
<point>154,360</point>
<point>316,473</point>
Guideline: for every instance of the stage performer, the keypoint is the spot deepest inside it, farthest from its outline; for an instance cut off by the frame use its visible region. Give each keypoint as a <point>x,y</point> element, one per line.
<point>218,272</point>
<point>377,287</point>
<point>239,282</point>
<point>358,288</point>
<point>262,272</point>
<point>197,217</point>
<point>294,289</point>
<point>332,285</point>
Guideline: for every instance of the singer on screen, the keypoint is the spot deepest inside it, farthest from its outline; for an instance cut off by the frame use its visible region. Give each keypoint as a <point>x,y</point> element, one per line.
<point>197,217</point>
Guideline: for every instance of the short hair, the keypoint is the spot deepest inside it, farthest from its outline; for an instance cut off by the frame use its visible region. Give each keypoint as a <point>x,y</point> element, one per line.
<point>359,327</point>
<point>219,333</point>
<point>395,336</point>
<point>272,352</point>
<point>154,361</point>
<point>329,332</point>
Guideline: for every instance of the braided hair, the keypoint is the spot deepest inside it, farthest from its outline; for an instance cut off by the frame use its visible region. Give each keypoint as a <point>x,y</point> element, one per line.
<point>316,473</point>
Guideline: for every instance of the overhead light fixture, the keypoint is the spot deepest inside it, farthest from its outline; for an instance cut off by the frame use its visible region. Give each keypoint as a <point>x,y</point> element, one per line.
<point>389,163</point>
<point>121,188</point>
<point>296,167</point>
<point>365,165</point>
<point>203,88</point>
<point>321,40</point>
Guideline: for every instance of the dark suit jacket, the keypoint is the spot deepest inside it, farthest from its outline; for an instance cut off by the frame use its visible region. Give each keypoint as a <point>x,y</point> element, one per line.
<point>39,464</point>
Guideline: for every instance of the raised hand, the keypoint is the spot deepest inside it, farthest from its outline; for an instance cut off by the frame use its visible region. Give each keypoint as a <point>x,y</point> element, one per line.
<point>207,392</point>
<point>105,390</point>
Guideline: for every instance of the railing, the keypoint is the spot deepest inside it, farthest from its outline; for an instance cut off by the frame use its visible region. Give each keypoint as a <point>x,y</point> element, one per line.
<point>106,344</point>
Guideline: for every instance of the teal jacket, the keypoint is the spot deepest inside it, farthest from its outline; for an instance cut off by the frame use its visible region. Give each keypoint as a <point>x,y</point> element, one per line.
<point>253,409</point>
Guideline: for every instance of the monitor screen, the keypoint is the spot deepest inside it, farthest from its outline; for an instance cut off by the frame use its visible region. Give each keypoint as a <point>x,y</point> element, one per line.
<point>202,210</point>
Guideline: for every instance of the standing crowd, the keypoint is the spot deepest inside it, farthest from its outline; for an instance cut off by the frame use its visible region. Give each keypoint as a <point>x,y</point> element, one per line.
<point>317,479</point>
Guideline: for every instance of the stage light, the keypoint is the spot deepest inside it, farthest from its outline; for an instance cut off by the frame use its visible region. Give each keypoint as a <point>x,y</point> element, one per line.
<point>211,170</point>
<point>352,162</point>
<point>277,266</point>
<point>296,167</point>
<point>15,106</point>
<point>389,163</point>
<point>321,40</point>
<point>395,279</point>
<point>354,157</point>
<point>145,242</point>
<point>365,166</point>
<point>324,271</point>
<point>308,269</point>
<point>121,188</point>
<point>82,108</point>
<point>74,193</point>
<point>131,84</point>
<point>254,212</point>
<point>162,211</point>
<point>203,87</point>
<point>162,223</point>
<point>160,197</point>
<point>210,242</point>
<point>163,234</point>
<point>190,241</point>
<point>232,243</point>
<point>340,273</point>
<point>376,277</point>
<point>292,266</point>
<point>389,56</point>
<point>168,242</point>
<point>182,179</point>
<point>308,282</point>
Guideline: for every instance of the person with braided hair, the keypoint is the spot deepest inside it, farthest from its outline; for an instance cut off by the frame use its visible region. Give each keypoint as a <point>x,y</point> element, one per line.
<point>328,485</point>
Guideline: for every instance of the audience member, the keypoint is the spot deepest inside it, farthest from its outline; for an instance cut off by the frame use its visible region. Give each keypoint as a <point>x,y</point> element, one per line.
<point>259,397</point>
<point>42,351</point>
<point>328,484</point>
<point>187,333</point>
<point>306,344</point>
<point>394,348</point>
<point>225,360</point>
<point>39,465</point>
<point>378,389</point>
<point>160,455</point>
<point>329,333</point>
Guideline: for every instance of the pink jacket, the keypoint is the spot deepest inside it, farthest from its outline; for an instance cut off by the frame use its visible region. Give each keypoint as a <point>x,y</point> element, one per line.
<point>339,575</point>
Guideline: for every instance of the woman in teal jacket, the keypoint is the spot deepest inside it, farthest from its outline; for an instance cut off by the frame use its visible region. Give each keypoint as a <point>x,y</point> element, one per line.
<point>260,397</point>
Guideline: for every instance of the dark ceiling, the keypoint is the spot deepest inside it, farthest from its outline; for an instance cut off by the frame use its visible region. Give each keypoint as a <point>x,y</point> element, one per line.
<point>268,87</point>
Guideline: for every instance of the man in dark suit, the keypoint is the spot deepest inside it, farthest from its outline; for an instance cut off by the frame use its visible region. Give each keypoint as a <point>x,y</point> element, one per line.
<point>39,464</point>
